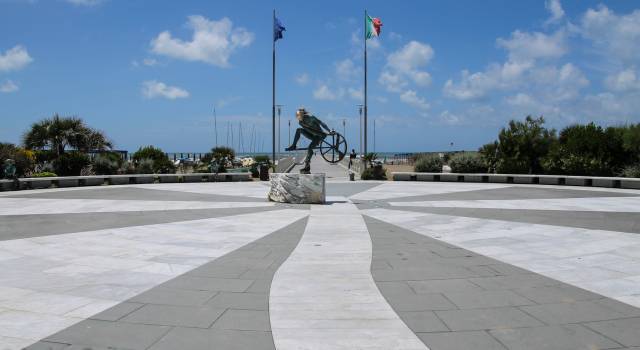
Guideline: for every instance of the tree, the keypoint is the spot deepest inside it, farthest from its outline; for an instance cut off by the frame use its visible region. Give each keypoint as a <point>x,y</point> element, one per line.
<point>152,159</point>
<point>57,133</point>
<point>522,145</point>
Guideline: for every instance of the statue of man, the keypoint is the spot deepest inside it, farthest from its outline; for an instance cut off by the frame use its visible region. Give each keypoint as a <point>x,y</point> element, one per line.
<point>312,128</point>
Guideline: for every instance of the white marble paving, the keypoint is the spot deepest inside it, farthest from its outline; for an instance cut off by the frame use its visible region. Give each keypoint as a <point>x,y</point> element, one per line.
<point>51,282</point>
<point>606,204</point>
<point>324,297</point>
<point>594,260</point>
<point>405,189</point>
<point>31,206</point>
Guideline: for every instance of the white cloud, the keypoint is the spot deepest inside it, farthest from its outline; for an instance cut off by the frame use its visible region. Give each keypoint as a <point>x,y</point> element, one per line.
<point>213,41</point>
<point>525,52</point>
<point>302,79</point>
<point>150,62</point>
<point>411,57</point>
<point>8,86</point>
<point>85,2</point>
<point>14,59</point>
<point>153,89</point>
<point>404,66</point>
<point>449,118</point>
<point>555,9</point>
<point>392,82</point>
<point>521,100</point>
<point>324,93</point>
<point>410,97</point>
<point>524,46</point>
<point>356,94</point>
<point>346,69</point>
<point>625,80</point>
<point>616,36</point>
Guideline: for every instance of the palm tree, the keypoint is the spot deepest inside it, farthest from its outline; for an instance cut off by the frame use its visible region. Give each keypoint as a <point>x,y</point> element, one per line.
<point>58,133</point>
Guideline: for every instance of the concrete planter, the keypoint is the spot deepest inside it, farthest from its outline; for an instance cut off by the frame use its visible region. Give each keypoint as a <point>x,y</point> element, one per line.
<point>66,182</point>
<point>143,179</point>
<point>6,185</point>
<point>525,179</point>
<point>168,178</point>
<point>194,177</point>
<point>118,179</point>
<point>630,183</point>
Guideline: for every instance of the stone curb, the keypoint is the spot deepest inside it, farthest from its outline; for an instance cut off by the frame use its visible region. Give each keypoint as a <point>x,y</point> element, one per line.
<point>99,180</point>
<point>586,181</point>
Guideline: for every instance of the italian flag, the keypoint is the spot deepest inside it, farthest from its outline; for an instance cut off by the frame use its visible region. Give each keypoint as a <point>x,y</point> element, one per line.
<point>373,27</point>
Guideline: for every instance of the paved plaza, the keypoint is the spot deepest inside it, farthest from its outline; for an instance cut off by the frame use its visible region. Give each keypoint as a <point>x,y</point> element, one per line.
<point>383,265</point>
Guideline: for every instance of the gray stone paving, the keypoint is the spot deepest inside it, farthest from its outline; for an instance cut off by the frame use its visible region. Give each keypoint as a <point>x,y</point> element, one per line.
<point>612,221</point>
<point>132,193</point>
<point>25,226</point>
<point>515,192</point>
<point>220,305</point>
<point>455,299</point>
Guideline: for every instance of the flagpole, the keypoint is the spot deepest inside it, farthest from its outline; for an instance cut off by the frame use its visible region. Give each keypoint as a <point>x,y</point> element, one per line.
<point>365,82</point>
<point>273,89</point>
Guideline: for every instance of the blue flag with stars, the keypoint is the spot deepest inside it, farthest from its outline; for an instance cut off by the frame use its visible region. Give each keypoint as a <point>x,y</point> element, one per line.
<point>278,28</point>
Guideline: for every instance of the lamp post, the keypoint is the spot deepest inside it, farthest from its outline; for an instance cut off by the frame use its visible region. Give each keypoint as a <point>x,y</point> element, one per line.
<point>360,126</point>
<point>279,107</point>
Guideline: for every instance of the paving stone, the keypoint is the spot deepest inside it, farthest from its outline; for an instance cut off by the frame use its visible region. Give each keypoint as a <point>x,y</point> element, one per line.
<point>110,334</point>
<point>562,293</point>
<point>513,282</point>
<point>624,331</point>
<point>260,286</point>
<point>117,312</point>
<point>167,296</point>
<point>440,286</point>
<point>582,311</point>
<point>171,315</point>
<point>199,339</point>
<point>423,321</point>
<point>420,302</point>
<point>247,320</point>
<point>486,299</point>
<point>45,345</point>
<point>399,288</point>
<point>212,270</point>
<point>482,319</point>
<point>206,283</point>
<point>247,301</point>
<point>460,341</point>
<point>564,337</point>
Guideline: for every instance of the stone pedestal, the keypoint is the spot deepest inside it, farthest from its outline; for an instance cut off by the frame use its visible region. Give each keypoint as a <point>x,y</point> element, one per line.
<point>297,188</point>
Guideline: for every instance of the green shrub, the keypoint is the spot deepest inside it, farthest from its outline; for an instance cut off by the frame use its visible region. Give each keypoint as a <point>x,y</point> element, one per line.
<point>71,163</point>
<point>107,163</point>
<point>522,146</point>
<point>145,166</point>
<point>631,171</point>
<point>161,163</point>
<point>429,163</point>
<point>44,174</point>
<point>376,172</point>
<point>24,160</point>
<point>467,163</point>
<point>262,158</point>
<point>222,152</point>
<point>489,155</point>
<point>588,150</point>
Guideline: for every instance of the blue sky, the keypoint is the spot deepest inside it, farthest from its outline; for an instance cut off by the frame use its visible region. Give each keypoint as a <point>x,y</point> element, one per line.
<point>150,72</point>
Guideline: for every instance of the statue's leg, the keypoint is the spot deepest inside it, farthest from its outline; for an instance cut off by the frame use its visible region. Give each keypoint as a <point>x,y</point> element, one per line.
<point>296,137</point>
<point>315,141</point>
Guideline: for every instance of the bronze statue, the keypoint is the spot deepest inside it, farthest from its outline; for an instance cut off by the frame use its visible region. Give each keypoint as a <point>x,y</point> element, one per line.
<point>331,144</point>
